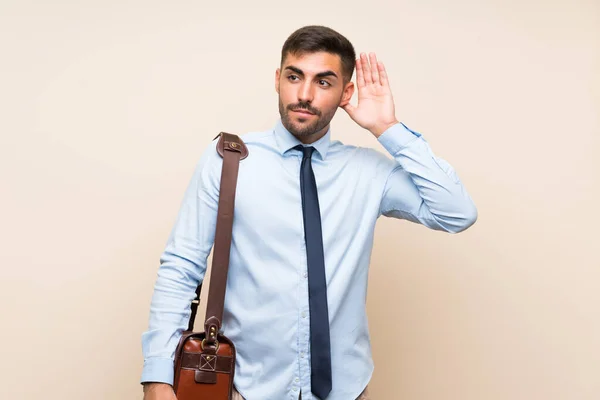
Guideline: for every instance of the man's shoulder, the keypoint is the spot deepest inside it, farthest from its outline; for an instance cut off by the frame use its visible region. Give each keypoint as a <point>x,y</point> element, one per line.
<point>252,137</point>
<point>249,138</point>
<point>359,153</point>
<point>246,136</point>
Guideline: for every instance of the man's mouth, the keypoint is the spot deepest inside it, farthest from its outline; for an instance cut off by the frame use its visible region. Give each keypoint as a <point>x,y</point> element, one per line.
<point>304,112</point>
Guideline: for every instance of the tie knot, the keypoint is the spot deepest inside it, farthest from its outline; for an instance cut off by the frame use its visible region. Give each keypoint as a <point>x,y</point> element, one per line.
<point>306,151</point>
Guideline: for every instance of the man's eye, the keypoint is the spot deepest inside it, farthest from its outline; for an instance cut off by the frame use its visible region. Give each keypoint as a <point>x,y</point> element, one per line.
<point>292,77</point>
<point>324,83</point>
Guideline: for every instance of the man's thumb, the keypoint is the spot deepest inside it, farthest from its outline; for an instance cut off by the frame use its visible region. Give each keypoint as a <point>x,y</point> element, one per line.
<point>349,108</point>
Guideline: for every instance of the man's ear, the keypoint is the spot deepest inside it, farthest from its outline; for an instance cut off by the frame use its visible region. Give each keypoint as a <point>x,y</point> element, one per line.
<point>347,95</point>
<point>277,73</point>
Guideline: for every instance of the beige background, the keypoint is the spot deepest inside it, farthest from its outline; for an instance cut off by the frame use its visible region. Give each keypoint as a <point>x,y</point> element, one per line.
<point>105,107</point>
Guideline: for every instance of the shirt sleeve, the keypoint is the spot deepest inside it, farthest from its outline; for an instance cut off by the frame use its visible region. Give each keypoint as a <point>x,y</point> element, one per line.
<point>421,187</point>
<point>182,268</point>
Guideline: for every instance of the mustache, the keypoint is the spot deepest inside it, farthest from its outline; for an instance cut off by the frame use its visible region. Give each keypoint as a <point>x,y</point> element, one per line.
<point>303,106</point>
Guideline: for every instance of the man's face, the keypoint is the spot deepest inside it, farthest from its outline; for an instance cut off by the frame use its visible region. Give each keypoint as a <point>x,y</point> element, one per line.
<point>311,88</point>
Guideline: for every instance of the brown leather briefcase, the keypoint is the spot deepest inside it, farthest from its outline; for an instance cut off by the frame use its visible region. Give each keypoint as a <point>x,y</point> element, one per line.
<point>205,361</point>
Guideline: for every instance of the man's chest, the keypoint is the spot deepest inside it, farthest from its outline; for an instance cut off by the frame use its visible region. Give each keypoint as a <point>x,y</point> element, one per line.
<point>269,203</point>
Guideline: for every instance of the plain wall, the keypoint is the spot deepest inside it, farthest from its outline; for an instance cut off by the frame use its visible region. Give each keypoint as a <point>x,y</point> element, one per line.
<point>105,107</point>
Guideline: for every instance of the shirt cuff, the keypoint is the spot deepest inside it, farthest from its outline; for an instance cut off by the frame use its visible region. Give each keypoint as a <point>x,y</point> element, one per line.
<point>396,137</point>
<point>158,370</point>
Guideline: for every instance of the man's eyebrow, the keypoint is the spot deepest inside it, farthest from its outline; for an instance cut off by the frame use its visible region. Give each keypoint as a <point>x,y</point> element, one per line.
<point>319,75</point>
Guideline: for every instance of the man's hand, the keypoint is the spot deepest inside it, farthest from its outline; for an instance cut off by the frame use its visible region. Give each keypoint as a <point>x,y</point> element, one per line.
<point>375,109</point>
<point>158,391</point>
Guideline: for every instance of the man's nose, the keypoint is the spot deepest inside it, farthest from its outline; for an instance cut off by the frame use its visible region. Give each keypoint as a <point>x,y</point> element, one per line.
<point>305,94</point>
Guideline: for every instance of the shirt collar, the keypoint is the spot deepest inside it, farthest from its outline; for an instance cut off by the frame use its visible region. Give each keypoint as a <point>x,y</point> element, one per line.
<point>286,141</point>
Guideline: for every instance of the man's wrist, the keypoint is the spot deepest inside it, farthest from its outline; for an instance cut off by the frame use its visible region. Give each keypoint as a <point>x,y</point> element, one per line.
<point>156,386</point>
<point>379,129</point>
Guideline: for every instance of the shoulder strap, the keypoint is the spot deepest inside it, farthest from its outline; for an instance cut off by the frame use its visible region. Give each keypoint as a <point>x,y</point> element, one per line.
<point>232,149</point>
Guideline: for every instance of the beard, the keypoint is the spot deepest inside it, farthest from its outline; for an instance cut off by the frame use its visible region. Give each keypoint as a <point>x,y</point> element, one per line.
<point>304,129</point>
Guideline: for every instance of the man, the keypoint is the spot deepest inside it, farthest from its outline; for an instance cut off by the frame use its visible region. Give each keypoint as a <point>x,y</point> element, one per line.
<point>305,214</point>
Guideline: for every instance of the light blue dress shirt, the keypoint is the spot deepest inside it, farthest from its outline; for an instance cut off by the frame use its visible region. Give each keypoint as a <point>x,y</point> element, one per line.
<point>266,312</point>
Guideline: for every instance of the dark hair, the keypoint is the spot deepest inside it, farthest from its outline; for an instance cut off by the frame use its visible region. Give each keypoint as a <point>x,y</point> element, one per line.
<point>315,38</point>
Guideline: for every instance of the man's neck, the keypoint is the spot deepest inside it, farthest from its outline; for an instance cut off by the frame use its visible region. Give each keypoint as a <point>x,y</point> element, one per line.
<point>313,137</point>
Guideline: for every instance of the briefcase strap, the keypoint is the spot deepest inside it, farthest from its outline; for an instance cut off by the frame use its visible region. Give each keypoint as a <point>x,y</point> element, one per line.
<point>232,149</point>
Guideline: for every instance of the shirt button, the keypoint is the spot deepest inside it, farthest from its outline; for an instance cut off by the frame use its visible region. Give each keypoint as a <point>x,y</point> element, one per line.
<point>301,354</point>
<point>303,314</point>
<point>297,380</point>
<point>305,274</point>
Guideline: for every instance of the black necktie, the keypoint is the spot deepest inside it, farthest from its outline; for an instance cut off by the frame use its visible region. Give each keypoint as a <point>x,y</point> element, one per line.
<point>320,351</point>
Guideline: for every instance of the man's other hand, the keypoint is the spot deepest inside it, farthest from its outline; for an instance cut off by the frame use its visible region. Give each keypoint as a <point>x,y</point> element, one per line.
<point>158,391</point>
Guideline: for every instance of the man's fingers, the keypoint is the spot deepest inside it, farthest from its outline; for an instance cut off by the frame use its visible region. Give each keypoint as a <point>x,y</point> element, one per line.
<point>383,78</point>
<point>364,62</point>
<point>360,79</point>
<point>374,68</point>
